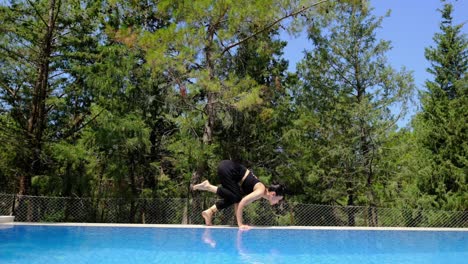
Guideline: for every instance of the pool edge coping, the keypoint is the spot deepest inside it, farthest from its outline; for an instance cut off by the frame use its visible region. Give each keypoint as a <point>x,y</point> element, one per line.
<point>235,227</point>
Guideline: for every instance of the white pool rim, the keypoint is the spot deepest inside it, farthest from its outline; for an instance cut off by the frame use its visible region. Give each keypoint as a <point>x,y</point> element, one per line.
<point>234,227</point>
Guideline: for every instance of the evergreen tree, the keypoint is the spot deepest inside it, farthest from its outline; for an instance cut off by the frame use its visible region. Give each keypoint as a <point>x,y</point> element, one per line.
<point>40,43</point>
<point>344,115</point>
<point>253,136</point>
<point>194,52</point>
<point>127,121</point>
<point>441,127</point>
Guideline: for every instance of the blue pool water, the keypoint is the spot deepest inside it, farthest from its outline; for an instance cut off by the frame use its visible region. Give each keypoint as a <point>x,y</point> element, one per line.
<point>67,244</point>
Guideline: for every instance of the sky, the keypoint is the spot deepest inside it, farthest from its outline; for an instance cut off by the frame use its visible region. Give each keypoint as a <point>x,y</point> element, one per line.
<point>410,28</point>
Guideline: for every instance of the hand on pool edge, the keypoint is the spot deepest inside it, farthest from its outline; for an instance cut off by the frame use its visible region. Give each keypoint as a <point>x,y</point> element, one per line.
<point>245,227</point>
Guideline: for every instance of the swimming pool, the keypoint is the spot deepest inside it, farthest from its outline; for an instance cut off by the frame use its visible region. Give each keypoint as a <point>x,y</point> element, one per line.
<point>124,244</point>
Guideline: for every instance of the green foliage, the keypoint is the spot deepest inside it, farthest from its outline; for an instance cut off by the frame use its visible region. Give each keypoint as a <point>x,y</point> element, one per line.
<point>55,217</point>
<point>140,98</point>
<point>220,57</point>
<point>441,135</point>
<point>8,154</point>
<point>42,45</point>
<point>46,185</point>
<point>343,110</point>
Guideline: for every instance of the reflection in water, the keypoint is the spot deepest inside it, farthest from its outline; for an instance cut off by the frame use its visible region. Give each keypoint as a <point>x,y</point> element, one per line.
<point>249,246</point>
<point>252,255</point>
<point>245,257</point>
<point>208,239</point>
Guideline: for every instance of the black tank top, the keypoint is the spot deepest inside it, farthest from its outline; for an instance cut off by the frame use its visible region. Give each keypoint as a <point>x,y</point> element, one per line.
<point>249,183</point>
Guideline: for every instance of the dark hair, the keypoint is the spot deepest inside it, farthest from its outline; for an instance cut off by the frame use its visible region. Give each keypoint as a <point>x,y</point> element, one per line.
<point>279,189</point>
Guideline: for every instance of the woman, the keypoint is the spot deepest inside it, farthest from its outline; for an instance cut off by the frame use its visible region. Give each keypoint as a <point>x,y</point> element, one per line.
<point>239,186</point>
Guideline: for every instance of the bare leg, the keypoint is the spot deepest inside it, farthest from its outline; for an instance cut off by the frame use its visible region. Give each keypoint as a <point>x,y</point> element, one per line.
<point>208,214</point>
<point>205,186</point>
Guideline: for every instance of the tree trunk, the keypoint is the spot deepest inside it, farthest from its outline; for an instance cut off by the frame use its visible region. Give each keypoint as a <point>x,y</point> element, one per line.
<point>350,210</point>
<point>209,123</point>
<point>133,187</point>
<point>37,119</point>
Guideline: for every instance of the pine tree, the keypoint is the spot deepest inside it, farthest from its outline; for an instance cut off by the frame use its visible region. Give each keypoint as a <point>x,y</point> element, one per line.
<point>441,127</point>
<point>344,110</point>
<point>195,52</point>
<point>252,136</point>
<point>40,43</point>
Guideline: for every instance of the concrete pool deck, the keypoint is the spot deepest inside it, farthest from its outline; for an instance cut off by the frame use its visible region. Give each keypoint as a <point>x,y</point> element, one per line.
<point>6,219</point>
<point>234,227</point>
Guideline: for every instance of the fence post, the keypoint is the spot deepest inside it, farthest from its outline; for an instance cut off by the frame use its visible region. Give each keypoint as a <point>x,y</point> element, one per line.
<point>12,212</point>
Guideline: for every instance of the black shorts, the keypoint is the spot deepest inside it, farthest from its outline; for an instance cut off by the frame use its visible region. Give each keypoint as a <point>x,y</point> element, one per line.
<point>230,174</point>
<point>231,192</point>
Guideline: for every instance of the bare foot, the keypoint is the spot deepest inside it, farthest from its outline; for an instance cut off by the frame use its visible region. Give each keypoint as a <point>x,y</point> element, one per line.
<point>207,215</point>
<point>201,186</point>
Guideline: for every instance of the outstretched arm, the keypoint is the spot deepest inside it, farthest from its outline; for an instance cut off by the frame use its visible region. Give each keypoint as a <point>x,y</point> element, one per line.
<point>253,196</point>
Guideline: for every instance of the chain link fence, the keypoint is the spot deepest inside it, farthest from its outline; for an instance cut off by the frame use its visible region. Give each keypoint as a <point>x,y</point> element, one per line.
<point>188,211</point>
